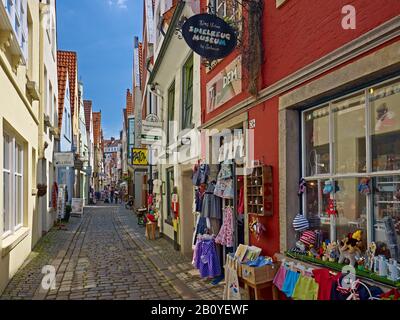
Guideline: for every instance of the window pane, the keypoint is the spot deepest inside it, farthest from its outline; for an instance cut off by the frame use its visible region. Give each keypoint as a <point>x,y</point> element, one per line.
<point>385,127</point>
<point>18,159</point>
<point>352,208</point>
<point>6,153</point>
<point>317,141</point>
<point>6,202</point>
<point>386,199</point>
<point>18,198</point>
<point>349,135</point>
<point>316,203</point>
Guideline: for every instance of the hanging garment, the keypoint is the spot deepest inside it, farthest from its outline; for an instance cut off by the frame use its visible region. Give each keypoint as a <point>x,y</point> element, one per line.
<point>200,174</point>
<point>225,236</point>
<point>207,261</point>
<point>290,283</point>
<point>199,200</point>
<point>202,226</point>
<point>224,189</point>
<point>211,205</point>
<point>241,201</point>
<point>225,172</point>
<point>306,289</point>
<point>280,278</point>
<point>157,186</point>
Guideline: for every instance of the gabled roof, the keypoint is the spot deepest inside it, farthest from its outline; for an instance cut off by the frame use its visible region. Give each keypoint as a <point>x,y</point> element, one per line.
<point>69,59</point>
<point>87,105</point>
<point>62,74</point>
<point>97,131</point>
<point>129,103</point>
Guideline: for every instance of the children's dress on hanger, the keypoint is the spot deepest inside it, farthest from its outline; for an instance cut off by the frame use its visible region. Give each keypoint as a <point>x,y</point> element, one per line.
<point>225,236</point>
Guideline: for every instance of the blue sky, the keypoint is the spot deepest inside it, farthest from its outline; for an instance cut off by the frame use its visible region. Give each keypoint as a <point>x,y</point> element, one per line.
<point>101,32</point>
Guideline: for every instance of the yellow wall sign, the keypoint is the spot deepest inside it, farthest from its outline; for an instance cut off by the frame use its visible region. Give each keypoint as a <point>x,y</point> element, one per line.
<point>140,157</point>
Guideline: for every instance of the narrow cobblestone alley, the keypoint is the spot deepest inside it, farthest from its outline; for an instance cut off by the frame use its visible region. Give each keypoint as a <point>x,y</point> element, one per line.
<point>105,256</point>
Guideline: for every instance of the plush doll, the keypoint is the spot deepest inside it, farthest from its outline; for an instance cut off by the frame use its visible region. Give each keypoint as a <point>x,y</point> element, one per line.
<point>350,248</point>
<point>331,252</point>
<point>302,186</point>
<point>322,251</point>
<point>331,210</point>
<point>328,187</point>
<point>364,187</point>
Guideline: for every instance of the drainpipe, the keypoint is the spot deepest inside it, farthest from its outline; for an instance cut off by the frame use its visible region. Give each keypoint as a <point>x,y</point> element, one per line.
<point>43,9</point>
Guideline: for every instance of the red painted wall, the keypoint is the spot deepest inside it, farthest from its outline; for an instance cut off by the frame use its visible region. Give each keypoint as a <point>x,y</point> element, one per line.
<point>267,150</point>
<point>302,31</point>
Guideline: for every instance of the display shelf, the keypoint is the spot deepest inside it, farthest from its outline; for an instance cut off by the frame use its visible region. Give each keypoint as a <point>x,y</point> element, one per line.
<point>259,195</point>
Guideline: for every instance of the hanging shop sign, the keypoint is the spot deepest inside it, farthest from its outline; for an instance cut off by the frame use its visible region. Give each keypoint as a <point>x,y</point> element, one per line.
<point>151,130</point>
<point>209,36</point>
<point>64,159</point>
<point>225,85</point>
<point>140,157</point>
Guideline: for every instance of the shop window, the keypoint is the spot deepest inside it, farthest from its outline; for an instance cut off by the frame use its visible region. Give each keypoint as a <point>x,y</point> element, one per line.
<point>385,127</point>
<point>187,94</point>
<point>316,136</point>
<point>347,142</point>
<point>349,135</point>
<point>351,206</point>
<point>386,209</point>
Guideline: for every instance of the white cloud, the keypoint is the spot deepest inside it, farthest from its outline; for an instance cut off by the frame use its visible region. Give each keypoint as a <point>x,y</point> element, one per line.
<point>121,4</point>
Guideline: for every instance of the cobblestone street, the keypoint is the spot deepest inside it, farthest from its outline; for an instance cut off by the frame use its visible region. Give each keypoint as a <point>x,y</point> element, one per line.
<point>105,256</point>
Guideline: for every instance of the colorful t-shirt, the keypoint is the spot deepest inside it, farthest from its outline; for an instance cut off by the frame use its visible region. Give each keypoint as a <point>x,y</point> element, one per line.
<point>306,289</point>
<point>280,278</point>
<point>325,281</point>
<point>290,282</point>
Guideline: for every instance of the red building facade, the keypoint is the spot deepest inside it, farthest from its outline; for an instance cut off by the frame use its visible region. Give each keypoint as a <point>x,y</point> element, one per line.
<point>309,59</point>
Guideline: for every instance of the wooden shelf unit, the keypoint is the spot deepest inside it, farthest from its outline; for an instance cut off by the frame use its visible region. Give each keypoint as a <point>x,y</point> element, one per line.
<point>259,195</point>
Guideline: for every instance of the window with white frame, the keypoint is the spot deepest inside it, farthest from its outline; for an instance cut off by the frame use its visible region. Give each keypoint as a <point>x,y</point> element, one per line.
<point>228,9</point>
<point>13,185</point>
<point>347,142</point>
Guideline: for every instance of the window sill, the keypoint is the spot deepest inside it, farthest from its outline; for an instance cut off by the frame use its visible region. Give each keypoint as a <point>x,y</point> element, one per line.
<point>10,242</point>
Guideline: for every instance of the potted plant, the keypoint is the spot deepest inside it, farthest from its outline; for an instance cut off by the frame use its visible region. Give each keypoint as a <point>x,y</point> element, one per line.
<point>42,190</point>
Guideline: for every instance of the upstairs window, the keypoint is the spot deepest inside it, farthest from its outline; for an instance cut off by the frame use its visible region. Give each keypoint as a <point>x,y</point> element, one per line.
<point>187,94</point>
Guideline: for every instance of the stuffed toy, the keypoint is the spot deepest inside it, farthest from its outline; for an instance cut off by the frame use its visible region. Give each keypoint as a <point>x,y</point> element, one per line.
<point>300,223</point>
<point>322,251</point>
<point>350,248</point>
<point>302,186</point>
<point>328,187</point>
<point>364,187</point>
<point>331,210</point>
<point>308,238</point>
<point>331,252</point>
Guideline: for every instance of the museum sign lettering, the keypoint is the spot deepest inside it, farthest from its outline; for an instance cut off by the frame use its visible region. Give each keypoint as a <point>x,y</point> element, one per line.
<point>209,36</point>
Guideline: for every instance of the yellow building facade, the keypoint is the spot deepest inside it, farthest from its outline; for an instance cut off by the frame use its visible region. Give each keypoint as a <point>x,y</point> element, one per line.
<point>19,123</point>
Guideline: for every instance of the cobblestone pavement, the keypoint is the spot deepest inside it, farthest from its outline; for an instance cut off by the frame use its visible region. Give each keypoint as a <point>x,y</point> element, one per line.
<point>105,256</point>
